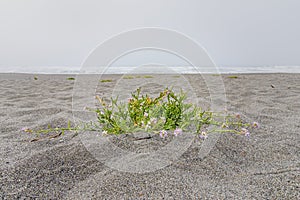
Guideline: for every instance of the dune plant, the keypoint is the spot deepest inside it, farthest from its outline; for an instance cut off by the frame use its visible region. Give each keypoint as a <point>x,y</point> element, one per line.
<point>106,80</point>
<point>148,76</point>
<point>166,114</point>
<point>128,77</point>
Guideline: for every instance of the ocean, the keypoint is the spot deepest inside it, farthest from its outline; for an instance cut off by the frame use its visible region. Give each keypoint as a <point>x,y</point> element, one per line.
<point>156,69</point>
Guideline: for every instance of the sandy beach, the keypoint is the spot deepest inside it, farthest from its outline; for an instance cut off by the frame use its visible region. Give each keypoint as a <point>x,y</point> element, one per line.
<point>264,166</point>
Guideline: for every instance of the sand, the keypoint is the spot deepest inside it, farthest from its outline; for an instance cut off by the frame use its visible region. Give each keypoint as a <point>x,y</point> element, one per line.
<point>264,166</point>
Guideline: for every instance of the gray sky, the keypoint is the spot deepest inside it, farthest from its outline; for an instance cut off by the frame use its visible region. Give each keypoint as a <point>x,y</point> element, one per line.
<point>234,32</point>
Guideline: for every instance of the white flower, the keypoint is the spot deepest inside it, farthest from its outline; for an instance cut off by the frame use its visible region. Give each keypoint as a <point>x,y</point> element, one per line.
<point>147,127</point>
<point>104,133</point>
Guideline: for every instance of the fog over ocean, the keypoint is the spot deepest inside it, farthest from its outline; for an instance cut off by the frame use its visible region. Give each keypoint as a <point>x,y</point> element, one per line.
<point>261,34</point>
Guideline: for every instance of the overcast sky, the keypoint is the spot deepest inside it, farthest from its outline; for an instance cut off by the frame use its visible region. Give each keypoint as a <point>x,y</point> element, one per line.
<point>234,32</point>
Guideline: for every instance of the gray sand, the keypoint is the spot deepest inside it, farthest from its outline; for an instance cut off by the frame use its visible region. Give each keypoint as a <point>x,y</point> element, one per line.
<point>265,166</point>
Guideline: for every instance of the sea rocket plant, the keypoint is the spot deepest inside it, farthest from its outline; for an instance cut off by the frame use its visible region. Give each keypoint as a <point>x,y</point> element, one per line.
<point>163,114</point>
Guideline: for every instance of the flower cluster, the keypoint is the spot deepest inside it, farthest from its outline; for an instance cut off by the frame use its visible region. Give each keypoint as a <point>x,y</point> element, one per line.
<point>164,133</point>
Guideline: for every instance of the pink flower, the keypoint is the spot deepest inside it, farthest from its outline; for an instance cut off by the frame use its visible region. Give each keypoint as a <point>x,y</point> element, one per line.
<point>167,92</point>
<point>26,130</point>
<point>177,132</point>
<point>245,132</point>
<point>163,133</point>
<point>153,120</point>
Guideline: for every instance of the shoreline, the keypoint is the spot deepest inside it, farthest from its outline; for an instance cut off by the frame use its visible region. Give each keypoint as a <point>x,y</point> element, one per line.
<point>185,69</point>
<point>75,74</point>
